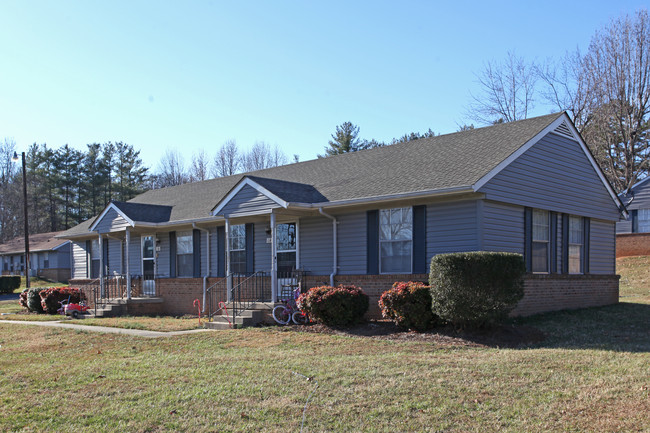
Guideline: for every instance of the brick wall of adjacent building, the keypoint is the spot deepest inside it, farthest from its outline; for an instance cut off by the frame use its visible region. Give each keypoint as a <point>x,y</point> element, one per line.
<point>632,244</point>
<point>57,274</point>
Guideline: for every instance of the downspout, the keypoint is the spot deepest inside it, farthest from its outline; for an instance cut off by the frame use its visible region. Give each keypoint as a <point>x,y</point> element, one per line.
<point>207,274</point>
<point>335,265</point>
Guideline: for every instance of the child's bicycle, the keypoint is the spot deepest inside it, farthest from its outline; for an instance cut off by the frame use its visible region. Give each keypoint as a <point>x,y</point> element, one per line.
<point>283,314</point>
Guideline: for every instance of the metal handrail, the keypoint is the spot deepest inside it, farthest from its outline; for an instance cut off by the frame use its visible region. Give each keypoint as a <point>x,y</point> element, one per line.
<point>239,304</point>
<point>209,290</point>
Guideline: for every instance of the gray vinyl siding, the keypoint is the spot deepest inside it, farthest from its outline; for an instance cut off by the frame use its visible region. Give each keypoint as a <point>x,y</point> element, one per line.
<point>503,227</point>
<point>162,256</point>
<point>114,256</point>
<point>602,254</point>
<point>79,260</point>
<point>135,252</point>
<point>624,226</point>
<point>316,245</point>
<point>639,196</point>
<point>61,256</point>
<point>111,222</point>
<point>262,249</point>
<point>248,201</point>
<point>452,227</point>
<point>351,244</point>
<point>214,251</point>
<point>554,174</point>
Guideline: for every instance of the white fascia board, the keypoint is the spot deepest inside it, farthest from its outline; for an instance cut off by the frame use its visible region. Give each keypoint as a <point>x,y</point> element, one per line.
<point>242,183</point>
<point>550,128</point>
<point>103,214</point>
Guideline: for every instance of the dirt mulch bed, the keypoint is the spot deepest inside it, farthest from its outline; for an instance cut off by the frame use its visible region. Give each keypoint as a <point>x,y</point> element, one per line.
<point>501,336</point>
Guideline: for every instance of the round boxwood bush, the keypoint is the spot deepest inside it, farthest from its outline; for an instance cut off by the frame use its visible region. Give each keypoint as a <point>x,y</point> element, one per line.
<point>408,304</point>
<point>335,306</point>
<point>31,299</point>
<point>476,289</point>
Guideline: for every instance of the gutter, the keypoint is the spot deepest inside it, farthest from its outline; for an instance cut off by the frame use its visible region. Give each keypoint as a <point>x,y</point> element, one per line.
<point>207,274</point>
<point>335,265</point>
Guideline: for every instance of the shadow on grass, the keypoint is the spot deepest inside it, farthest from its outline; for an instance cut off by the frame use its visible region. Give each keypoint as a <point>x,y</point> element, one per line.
<point>624,327</point>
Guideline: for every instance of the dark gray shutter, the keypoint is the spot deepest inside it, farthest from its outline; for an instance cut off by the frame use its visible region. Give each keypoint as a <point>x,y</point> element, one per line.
<point>586,232</point>
<point>635,220</point>
<point>221,251</point>
<point>250,248</point>
<point>88,256</point>
<point>419,240</point>
<point>565,243</point>
<point>528,238</point>
<point>105,259</point>
<point>172,254</point>
<point>372,228</point>
<point>196,252</point>
<point>553,243</point>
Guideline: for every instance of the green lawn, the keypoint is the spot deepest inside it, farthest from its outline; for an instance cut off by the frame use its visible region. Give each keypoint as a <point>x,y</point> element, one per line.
<point>591,373</point>
<point>37,282</point>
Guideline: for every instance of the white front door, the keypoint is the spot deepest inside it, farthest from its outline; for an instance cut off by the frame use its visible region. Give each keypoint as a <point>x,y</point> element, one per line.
<point>148,265</point>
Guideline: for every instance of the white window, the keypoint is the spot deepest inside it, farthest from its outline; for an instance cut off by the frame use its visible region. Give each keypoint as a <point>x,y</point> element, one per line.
<point>643,220</point>
<point>184,254</point>
<point>94,258</point>
<point>237,247</point>
<point>576,242</point>
<point>541,240</point>
<point>396,240</point>
<point>46,260</point>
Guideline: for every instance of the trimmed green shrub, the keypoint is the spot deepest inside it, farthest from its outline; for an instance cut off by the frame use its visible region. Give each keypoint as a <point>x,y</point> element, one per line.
<point>31,299</point>
<point>335,306</point>
<point>52,297</point>
<point>9,283</point>
<point>476,289</point>
<point>408,304</point>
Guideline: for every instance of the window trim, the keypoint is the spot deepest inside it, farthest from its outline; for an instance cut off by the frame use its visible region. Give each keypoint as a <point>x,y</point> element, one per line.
<point>379,243</point>
<point>191,253</point>
<point>581,258</point>
<point>547,242</point>
<point>232,250</point>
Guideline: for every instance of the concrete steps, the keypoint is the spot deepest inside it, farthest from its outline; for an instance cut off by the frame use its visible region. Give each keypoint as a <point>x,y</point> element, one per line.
<point>259,312</point>
<point>119,307</point>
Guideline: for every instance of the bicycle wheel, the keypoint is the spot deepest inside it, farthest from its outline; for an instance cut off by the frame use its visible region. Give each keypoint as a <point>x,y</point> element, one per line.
<point>299,318</point>
<point>282,314</point>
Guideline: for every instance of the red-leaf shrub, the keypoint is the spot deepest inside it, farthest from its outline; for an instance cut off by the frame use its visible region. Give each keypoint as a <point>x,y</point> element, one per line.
<point>408,304</point>
<point>335,306</point>
<point>22,300</point>
<point>51,298</point>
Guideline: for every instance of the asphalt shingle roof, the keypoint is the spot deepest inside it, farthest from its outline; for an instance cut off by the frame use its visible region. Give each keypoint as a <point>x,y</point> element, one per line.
<point>37,242</point>
<point>436,163</point>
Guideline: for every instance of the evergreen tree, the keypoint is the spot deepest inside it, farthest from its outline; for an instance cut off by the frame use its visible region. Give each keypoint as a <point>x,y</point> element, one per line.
<point>344,140</point>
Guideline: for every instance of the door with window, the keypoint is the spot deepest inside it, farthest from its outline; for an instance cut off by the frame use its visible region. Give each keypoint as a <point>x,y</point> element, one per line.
<point>286,235</point>
<point>148,265</point>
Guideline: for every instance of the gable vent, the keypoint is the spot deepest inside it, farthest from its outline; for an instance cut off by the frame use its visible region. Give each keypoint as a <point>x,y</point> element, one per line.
<point>564,129</point>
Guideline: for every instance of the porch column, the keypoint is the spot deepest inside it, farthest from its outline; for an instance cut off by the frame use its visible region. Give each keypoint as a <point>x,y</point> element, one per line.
<point>228,275</point>
<point>274,262</point>
<point>126,263</point>
<point>101,264</point>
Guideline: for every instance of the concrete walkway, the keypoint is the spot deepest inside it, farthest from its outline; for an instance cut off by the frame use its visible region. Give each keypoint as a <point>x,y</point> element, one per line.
<point>107,329</point>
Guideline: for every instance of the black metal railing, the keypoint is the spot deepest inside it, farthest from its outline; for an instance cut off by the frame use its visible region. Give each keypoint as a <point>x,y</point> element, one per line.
<point>247,289</point>
<point>216,295</point>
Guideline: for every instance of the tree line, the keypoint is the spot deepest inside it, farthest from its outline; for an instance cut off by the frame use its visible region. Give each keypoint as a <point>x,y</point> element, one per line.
<point>65,186</point>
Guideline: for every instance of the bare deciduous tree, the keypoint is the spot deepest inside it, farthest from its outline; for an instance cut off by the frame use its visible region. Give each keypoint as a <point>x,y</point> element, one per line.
<point>200,167</point>
<point>507,91</point>
<point>617,70</point>
<point>227,161</point>
<point>171,170</point>
<point>262,156</point>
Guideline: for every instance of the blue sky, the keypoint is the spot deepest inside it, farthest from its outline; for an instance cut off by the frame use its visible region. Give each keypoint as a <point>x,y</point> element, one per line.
<point>189,75</point>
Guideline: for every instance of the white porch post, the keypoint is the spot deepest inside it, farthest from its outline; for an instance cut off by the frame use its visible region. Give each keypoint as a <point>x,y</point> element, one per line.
<point>274,262</point>
<point>101,264</point>
<point>228,274</point>
<point>126,263</point>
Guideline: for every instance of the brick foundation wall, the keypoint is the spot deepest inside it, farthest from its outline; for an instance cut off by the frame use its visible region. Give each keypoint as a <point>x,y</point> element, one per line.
<point>59,274</point>
<point>632,244</point>
<point>544,293</point>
